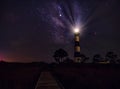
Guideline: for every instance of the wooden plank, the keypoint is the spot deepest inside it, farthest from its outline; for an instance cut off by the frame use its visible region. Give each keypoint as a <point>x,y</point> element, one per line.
<point>47,81</point>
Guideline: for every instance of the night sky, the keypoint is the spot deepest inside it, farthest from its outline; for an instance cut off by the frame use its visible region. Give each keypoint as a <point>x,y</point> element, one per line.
<point>31,30</point>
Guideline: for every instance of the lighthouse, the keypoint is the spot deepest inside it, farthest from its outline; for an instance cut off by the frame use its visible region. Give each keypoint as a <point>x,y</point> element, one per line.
<point>77,57</point>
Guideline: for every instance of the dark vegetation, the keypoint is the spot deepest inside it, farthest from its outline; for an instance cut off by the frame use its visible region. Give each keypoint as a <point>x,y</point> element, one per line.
<point>61,56</point>
<point>88,76</point>
<point>19,75</point>
<point>101,73</point>
<point>70,75</point>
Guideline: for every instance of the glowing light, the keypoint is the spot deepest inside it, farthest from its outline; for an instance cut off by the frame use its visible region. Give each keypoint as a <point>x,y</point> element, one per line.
<point>76,30</point>
<point>60,15</point>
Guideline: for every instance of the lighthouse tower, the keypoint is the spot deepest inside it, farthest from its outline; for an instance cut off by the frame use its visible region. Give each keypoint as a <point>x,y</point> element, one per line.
<point>77,57</point>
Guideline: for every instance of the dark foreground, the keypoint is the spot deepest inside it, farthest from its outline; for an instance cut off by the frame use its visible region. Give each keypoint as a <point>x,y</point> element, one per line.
<point>19,76</point>
<point>88,76</point>
<point>71,76</point>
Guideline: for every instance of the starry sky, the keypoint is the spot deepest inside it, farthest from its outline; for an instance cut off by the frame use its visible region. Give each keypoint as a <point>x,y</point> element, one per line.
<point>31,30</point>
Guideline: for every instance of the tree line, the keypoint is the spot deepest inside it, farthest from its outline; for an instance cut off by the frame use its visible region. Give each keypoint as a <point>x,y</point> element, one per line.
<point>61,56</point>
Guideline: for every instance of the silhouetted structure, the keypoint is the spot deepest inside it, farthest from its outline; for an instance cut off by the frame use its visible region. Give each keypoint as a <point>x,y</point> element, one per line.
<point>77,57</point>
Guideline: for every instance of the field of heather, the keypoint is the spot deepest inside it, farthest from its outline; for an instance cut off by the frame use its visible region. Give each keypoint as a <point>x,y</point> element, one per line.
<point>88,76</point>
<point>19,76</point>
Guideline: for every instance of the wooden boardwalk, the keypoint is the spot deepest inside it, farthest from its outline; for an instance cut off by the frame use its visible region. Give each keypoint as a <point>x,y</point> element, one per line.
<point>47,81</point>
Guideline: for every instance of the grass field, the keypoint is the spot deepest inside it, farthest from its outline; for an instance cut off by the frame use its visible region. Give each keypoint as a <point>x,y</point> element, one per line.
<point>18,75</point>
<point>88,76</point>
<point>71,76</point>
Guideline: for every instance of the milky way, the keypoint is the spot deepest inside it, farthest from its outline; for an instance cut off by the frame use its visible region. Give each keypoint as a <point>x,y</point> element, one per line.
<point>61,16</point>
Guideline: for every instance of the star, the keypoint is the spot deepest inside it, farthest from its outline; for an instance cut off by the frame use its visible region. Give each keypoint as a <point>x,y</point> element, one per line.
<point>60,15</point>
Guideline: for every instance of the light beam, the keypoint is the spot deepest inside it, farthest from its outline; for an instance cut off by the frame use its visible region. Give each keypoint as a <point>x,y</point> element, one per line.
<point>76,30</point>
